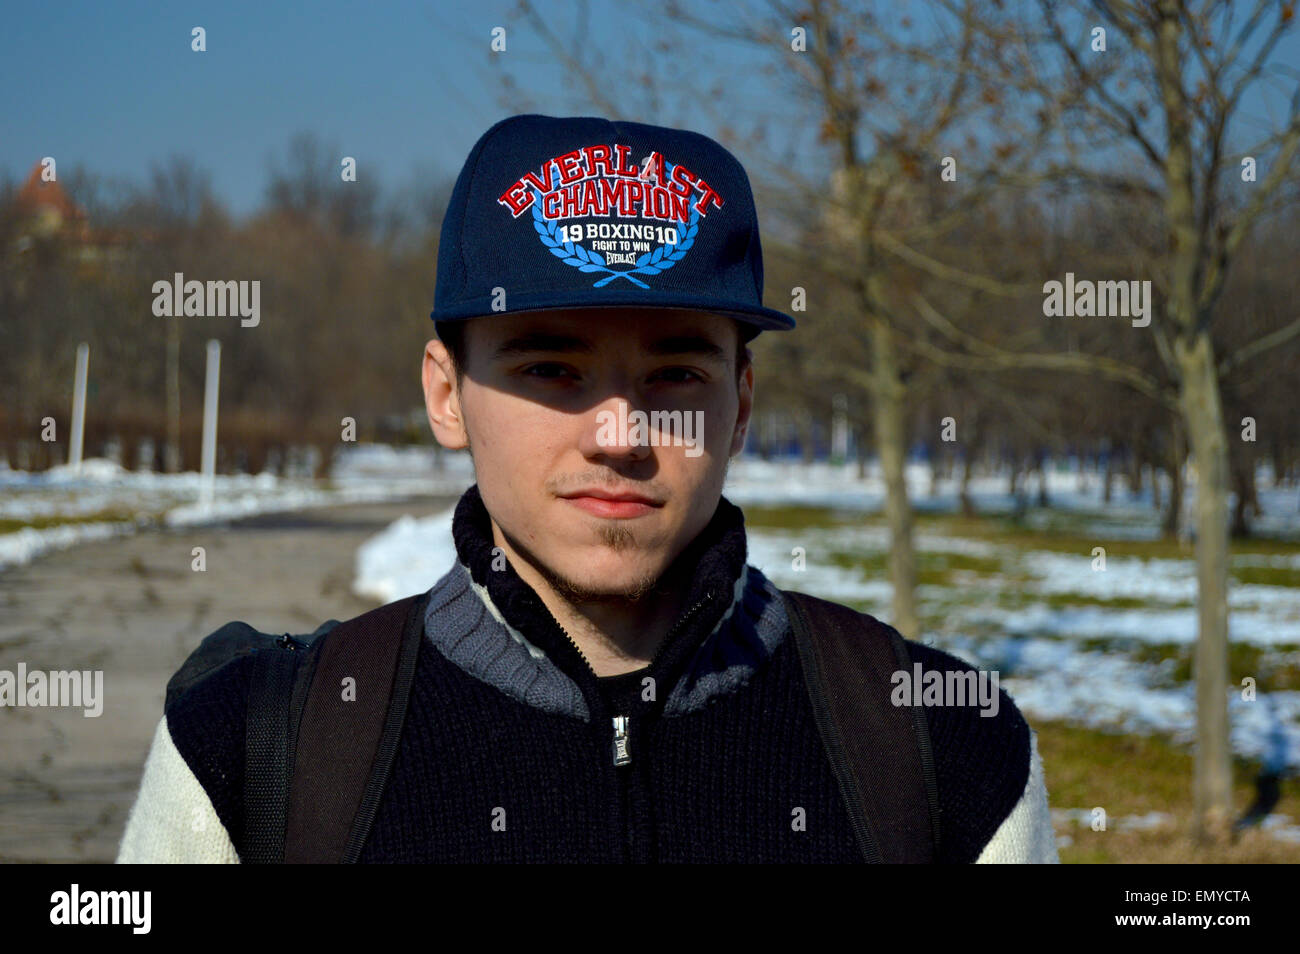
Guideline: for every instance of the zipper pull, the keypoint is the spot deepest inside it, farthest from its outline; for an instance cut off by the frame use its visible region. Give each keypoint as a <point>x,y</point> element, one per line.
<point>621,754</point>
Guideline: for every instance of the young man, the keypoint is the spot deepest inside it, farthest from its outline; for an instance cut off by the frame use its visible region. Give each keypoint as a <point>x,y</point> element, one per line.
<point>601,676</point>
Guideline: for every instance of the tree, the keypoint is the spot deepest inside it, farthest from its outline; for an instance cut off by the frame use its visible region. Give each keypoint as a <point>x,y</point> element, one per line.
<point>1193,63</point>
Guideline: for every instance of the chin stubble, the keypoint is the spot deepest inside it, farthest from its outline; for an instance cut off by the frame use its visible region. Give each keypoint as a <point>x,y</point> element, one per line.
<point>617,539</point>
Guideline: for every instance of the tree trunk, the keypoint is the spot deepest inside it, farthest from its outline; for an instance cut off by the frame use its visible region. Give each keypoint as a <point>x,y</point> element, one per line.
<point>1174,511</point>
<point>1246,506</point>
<point>325,460</point>
<point>1240,522</point>
<point>972,449</point>
<point>1135,467</point>
<point>888,392</point>
<point>1109,477</point>
<point>1203,416</point>
<point>1202,413</point>
<point>807,437</point>
<point>967,505</point>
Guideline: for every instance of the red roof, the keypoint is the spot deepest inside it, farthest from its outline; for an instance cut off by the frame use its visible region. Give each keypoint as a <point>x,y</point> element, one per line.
<point>37,194</point>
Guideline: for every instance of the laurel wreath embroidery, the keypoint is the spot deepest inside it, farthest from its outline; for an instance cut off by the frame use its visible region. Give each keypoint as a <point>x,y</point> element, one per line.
<point>651,263</point>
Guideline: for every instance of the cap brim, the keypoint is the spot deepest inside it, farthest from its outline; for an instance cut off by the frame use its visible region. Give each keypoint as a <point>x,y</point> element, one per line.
<point>765,319</point>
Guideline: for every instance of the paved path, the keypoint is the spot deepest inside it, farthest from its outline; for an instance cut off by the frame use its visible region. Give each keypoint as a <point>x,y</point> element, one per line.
<point>133,608</point>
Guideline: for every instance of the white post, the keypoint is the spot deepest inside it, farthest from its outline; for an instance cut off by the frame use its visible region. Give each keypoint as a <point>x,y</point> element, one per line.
<point>79,407</point>
<point>210,424</point>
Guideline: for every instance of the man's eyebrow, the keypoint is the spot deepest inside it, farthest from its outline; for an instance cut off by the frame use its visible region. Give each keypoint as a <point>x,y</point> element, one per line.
<point>688,344</point>
<point>541,341</point>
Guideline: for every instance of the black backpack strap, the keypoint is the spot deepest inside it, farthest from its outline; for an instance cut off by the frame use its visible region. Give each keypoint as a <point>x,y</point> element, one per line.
<point>345,741</point>
<point>880,753</point>
<point>266,752</point>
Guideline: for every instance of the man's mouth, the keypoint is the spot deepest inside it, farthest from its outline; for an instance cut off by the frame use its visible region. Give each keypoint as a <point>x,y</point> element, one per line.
<point>604,503</point>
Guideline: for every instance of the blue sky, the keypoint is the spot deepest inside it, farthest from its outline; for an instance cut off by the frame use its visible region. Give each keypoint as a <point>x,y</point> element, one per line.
<point>116,86</point>
<point>404,87</point>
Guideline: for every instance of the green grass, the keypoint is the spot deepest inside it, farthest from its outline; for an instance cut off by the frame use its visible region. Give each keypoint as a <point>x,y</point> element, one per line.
<point>1086,768</point>
<point>10,525</point>
<point>937,568</point>
<point>802,518</point>
<point>1265,664</point>
<point>1244,659</point>
<point>1018,599</point>
<point>1066,536</point>
<point>1004,581</point>
<point>1134,775</point>
<point>871,564</point>
<point>1267,575</point>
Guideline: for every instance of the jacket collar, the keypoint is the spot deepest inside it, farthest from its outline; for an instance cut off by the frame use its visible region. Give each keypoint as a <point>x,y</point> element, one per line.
<point>731,621</point>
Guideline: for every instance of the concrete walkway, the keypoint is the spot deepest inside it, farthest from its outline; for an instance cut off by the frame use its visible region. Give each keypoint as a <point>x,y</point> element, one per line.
<point>134,608</point>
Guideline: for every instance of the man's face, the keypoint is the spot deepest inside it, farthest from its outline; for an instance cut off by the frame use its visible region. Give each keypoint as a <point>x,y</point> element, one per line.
<point>548,406</point>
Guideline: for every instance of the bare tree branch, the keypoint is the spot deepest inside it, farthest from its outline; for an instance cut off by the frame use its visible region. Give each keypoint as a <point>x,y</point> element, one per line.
<point>992,358</point>
<point>1259,346</point>
<point>949,273</point>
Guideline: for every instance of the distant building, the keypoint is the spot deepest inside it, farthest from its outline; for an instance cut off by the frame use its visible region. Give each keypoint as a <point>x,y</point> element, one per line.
<point>45,212</point>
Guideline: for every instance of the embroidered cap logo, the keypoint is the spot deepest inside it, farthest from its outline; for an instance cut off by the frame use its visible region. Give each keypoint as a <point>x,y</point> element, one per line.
<point>657,191</point>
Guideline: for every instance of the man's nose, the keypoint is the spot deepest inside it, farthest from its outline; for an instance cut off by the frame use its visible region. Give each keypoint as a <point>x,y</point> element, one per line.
<point>617,428</point>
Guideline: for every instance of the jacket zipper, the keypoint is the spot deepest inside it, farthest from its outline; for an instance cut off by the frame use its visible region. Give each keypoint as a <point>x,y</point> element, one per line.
<point>621,747</point>
<point>622,754</point>
<point>622,723</point>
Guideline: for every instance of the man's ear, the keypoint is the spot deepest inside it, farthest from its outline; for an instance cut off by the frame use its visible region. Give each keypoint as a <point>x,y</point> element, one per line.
<point>442,397</point>
<point>746,395</point>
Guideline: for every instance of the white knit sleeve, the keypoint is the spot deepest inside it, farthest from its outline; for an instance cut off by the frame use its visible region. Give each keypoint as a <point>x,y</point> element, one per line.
<point>1026,835</point>
<point>173,820</point>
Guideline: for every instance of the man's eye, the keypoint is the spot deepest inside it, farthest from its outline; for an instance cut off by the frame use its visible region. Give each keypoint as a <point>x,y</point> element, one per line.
<point>547,370</point>
<point>673,375</point>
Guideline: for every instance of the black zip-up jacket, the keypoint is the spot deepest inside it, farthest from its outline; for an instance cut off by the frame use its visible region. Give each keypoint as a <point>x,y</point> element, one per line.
<point>514,750</point>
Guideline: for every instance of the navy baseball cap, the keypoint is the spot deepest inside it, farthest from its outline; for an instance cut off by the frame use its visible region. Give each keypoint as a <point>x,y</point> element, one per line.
<point>571,212</point>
